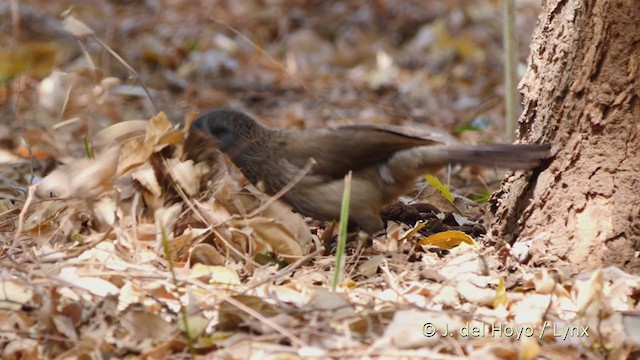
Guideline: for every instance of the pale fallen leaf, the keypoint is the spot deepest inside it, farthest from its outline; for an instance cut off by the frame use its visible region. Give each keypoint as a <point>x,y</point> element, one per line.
<point>215,274</point>
<point>165,219</point>
<point>107,210</point>
<point>412,329</point>
<point>13,295</point>
<point>531,309</point>
<point>146,176</point>
<point>84,178</point>
<point>144,325</point>
<point>336,303</point>
<point>475,294</point>
<point>94,285</point>
<point>183,173</point>
<point>294,222</point>
<point>76,27</point>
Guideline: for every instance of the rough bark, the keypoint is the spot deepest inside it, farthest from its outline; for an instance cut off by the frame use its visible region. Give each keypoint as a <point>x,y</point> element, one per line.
<point>581,94</point>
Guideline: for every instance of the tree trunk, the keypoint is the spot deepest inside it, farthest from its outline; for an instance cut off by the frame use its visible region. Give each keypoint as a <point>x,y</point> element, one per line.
<point>581,94</point>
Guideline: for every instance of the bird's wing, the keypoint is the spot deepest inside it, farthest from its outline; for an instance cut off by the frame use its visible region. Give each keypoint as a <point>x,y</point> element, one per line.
<point>338,150</point>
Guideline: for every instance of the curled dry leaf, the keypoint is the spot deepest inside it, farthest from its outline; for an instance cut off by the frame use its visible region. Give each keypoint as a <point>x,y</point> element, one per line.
<point>294,222</point>
<point>120,131</point>
<point>182,243</point>
<point>205,254</point>
<point>276,210</point>
<point>136,151</point>
<point>275,234</point>
<point>133,154</point>
<point>157,127</point>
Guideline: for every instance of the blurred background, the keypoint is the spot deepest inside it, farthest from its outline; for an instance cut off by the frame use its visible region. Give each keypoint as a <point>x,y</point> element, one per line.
<point>292,63</point>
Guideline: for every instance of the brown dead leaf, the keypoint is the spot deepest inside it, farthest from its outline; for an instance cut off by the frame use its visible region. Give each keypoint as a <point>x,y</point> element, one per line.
<point>133,154</point>
<point>144,325</point>
<point>371,266</point>
<point>251,199</point>
<point>205,254</point>
<point>230,317</point>
<point>275,234</point>
<point>157,127</point>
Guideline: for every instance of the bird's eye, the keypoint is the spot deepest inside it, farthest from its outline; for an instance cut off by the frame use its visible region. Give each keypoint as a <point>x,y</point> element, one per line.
<point>217,131</point>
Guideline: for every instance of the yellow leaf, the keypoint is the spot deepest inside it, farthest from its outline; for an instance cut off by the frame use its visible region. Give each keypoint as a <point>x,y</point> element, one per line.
<point>501,295</point>
<point>448,239</point>
<point>436,184</point>
<point>38,58</point>
<point>529,348</point>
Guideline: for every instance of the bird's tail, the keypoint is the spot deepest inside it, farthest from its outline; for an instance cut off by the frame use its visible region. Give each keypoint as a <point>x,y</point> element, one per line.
<point>420,160</point>
<point>506,156</point>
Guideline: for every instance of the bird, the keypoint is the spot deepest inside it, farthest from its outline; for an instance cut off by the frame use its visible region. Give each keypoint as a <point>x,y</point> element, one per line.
<point>384,160</point>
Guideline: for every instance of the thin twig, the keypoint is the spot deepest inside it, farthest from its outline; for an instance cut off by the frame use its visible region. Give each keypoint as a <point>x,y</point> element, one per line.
<point>285,189</point>
<point>200,217</point>
<point>128,67</point>
<point>24,210</point>
<point>294,339</point>
<point>289,269</point>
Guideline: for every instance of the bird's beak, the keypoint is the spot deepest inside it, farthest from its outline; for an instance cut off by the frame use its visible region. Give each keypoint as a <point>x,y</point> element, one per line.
<point>200,146</point>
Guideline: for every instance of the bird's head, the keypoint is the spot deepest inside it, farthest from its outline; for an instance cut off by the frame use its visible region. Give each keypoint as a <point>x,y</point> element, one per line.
<point>231,130</point>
